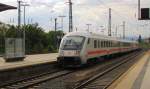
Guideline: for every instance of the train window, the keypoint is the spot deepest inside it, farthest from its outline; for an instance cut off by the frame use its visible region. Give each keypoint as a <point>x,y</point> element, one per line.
<point>107,44</point>
<point>88,40</point>
<point>104,44</point>
<point>110,43</point>
<point>99,44</point>
<point>95,43</point>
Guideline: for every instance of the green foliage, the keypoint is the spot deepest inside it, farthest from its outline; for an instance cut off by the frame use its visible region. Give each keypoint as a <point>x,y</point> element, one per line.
<point>37,41</point>
<point>144,45</point>
<point>3,30</point>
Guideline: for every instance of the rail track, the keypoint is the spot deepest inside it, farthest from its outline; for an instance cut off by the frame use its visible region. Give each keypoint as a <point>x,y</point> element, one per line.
<point>98,81</point>
<point>24,84</point>
<point>72,82</point>
<point>105,78</point>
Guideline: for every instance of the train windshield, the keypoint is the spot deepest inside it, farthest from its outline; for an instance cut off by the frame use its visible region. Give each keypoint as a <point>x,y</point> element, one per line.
<point>73,43</point>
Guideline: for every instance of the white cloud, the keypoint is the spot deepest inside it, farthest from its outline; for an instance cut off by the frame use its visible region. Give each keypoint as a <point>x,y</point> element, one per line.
<point>84,11</point>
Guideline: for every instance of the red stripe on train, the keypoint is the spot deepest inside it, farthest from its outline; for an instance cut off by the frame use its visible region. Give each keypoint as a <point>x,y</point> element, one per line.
<point>106,51</point>
<point>97,52</point>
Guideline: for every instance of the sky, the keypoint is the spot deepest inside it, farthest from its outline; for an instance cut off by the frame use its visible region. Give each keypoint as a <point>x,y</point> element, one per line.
<point>93,12</point>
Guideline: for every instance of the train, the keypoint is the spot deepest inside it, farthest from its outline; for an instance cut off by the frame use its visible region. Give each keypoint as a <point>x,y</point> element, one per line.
<point>79,48</point>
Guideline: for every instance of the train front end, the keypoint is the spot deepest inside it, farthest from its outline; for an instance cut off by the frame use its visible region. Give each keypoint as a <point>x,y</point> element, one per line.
<point>70,51</point>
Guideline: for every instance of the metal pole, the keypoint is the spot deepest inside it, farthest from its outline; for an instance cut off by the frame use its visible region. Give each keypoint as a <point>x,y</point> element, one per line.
<point>139,9</point>
<point>70,17</point>
<point>55,38</point>
<point>88,27</point>
<point>19,19</point>
<point>24,31</point>
<point>124,23</point>
<point>62,22</point>
<point>116,31</point>
<point>109,23</point>
<point>19,14</point>
<point>55,24</point>
<point>24,15</point>
<point>24,50</point>
<point>24,5</point>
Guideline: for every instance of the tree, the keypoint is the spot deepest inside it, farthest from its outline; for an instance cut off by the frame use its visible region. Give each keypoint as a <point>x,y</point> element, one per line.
<point>54,39</point>
<point>36,41</point>
<point>3,30</point>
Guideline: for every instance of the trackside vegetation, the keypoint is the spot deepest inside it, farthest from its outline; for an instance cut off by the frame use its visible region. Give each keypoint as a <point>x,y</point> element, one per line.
<point>37,40</point>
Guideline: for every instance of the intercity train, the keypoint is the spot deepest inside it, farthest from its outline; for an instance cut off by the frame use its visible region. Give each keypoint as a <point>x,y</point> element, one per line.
<point>78,48</point>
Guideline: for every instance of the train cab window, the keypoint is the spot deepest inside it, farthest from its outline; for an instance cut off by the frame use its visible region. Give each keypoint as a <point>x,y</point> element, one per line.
<point>73,43</point>
<point>88,40</point>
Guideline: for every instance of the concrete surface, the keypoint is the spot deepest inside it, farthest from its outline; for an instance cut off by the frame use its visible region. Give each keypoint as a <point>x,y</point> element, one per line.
<point>29,60</point>
<point>137,77</point>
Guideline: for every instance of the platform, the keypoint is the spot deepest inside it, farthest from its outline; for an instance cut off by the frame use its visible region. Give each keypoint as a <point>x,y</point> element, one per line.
<point>137,77</point>
<point>29,60</point>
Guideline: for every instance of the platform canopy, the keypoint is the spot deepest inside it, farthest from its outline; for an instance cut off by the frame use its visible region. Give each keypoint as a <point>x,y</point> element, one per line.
<point>4,7</point>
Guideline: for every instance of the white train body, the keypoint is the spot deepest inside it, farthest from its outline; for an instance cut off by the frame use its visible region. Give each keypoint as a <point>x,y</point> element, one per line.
<point>77,48</point>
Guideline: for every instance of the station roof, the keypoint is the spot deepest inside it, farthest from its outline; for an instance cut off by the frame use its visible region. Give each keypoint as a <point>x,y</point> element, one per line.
<point>4,7</point>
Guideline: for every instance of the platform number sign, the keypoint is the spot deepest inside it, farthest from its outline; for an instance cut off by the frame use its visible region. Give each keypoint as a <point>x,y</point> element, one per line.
<point>145,14</point>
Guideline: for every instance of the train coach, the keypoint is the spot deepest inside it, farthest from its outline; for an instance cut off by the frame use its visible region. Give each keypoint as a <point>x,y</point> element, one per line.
<point>78,48</point>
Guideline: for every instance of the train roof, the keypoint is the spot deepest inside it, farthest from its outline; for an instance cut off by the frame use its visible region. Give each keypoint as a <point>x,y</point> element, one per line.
<point>94,35</point>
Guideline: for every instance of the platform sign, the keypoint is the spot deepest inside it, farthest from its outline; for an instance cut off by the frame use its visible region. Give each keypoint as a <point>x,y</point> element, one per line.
<point>14,49</point>
<point>145,14</point>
